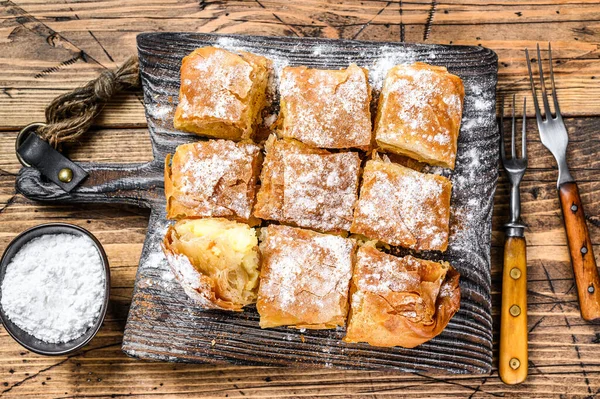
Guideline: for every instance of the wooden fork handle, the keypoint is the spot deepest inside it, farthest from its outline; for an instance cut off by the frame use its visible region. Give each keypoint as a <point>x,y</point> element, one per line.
<point>582,253</point>
<point>513,362</point>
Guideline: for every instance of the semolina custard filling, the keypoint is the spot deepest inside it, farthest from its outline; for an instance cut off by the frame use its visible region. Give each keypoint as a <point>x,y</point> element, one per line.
<point>224,252</point>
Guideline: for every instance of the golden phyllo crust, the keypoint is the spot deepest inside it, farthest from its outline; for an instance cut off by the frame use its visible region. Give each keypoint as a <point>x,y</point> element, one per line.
<point>216,261</point>
<point>216,178</point>
<point>222,93</point>
<point>304,278</point>
<point>308,187</point>
<point>326,108</point>
<point>400,301</point>
<point>419,113</point>
<point>400,206</point>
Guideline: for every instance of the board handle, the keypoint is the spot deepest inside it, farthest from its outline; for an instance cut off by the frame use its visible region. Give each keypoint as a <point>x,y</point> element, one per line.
<point>135,184</point>
<point>513,359</point>
<point>582,253</point>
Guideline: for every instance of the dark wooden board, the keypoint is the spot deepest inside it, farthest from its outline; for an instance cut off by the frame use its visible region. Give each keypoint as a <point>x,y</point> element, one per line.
<point>163,324</point>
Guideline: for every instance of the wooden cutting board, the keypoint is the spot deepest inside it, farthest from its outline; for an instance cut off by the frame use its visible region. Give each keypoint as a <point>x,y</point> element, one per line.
<point>163,324</point>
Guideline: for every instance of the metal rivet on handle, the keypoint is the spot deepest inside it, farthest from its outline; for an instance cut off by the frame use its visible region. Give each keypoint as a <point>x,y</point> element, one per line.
<point>584,250</point>
<point>515,273</point>
<point>65,175</point>
<point>574,208</point>
<point>514,310</point>
<point>514,363</point>
<point>591,289</point>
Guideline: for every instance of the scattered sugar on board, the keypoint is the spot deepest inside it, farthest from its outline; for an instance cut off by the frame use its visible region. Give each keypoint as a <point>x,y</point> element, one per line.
<point>54,287</point>
<point>160,111</point>
<point>387,57</point>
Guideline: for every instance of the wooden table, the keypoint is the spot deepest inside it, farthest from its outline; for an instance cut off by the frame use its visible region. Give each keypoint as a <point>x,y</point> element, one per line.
<point>47,49</point>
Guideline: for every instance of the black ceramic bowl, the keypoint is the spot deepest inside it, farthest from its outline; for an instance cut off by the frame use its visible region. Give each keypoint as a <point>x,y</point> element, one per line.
<point>27,340</point>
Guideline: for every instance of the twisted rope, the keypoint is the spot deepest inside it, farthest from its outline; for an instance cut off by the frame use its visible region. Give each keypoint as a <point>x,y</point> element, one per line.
<point>70,115</point>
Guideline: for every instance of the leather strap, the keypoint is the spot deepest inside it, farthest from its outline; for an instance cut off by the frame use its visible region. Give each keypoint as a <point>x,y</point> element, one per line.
<point>39,154</point>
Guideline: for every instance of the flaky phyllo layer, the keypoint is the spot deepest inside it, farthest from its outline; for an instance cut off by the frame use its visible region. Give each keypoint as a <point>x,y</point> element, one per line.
<point>215,260</point>
<point>400,301</point>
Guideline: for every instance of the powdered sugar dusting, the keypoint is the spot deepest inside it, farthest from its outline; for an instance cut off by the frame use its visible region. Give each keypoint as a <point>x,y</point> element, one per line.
<point>307,187</point>
<point>402,207</point>
<point>412,117</point>
<point>307,274</point>
<point>387,58</point>
<point>382,274</point>
<point>320,190</point>
<point>215,178</point>
<point>218,69</point>
<point>325,108</point>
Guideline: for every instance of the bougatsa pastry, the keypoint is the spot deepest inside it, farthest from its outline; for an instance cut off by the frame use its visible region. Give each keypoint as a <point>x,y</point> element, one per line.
<point>400,301</point>
<point>400,206</point>
<point>216,261</point>
<point>304,278</point>
<point>308,187</point>
<point>326,108</point>
<point>215,178</point>
<point>419,113</point>
<point>222,93</point>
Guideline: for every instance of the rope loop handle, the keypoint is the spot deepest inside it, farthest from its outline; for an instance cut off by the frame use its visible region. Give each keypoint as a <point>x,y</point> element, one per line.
<point>70,115</point>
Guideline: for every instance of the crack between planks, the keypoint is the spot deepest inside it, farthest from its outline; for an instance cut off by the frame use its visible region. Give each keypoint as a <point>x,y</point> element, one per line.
<point>101,46</point>
<point>429,23</point>
<point>573,337</point>
<point>21,382</point>
<point>402,28</point>
<point>371,20</point>
<point>10,201</point>
<point>474,389</point>
<point>63,64</point>
<point>279,19</point>
<point>18,11</point>
<point>526,79</point>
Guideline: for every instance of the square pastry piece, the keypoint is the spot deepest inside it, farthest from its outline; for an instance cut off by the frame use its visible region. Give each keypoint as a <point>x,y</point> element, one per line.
<point>215,178</point>
<point>221,93</point>
<point>326,108</point>
<point>400,206</point>
<point>419,113</point>
<point>308,187</point>
<point>400,301</point>
<point>304,278</point>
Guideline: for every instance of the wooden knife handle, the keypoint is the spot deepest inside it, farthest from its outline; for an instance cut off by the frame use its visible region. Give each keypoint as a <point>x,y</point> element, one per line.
<point>582,253</point>
<point>513,361</point>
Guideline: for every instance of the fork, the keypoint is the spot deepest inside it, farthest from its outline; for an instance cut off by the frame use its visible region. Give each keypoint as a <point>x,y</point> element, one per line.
<point>555,138</point>
<point>513,324</point>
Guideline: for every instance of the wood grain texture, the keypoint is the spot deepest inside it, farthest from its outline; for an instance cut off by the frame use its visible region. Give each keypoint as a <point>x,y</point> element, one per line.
<point>585,270</point>
<point>159,307</point>
<point>69,43</point>
<point>513,357</point>
<point>564,350</point>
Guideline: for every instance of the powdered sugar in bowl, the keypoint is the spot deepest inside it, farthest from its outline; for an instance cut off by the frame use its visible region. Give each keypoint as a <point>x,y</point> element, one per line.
<point>54,288</point>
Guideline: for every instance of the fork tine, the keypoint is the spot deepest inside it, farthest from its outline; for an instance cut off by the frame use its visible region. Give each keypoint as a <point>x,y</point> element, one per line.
<point>502,150</point>
<point>554,96</point>
<point>538,114</point>
<point>513,127</point>
<point>524,136</point>
<point>543,85</point>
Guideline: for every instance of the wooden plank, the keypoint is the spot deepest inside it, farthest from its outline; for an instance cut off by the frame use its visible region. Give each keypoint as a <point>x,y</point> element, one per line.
<point>68,44</point>
<point>556,368</point>
<point>572,373</point>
